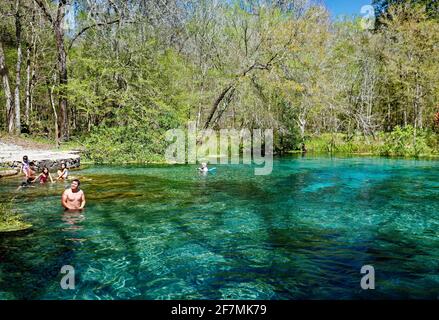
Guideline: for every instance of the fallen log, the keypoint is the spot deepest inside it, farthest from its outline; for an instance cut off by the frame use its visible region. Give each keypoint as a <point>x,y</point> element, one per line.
<point>8,173</point>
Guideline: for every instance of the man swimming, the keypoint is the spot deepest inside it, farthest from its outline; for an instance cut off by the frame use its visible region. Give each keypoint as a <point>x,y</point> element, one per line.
<point>73,198</point>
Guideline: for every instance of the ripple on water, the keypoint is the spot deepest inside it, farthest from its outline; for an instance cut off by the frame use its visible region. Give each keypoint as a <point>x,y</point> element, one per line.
<point>163,232</point>
<point>248,291</point>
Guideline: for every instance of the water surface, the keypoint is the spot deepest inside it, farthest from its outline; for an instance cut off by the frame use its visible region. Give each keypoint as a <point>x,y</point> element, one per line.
<point>168,232</point>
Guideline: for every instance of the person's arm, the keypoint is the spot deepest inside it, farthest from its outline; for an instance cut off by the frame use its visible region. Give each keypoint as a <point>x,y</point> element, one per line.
<point>36,178</point>
<point>26,172</point>
<point>61,174</point>
<point>50,176</point>
<point>82,201</point>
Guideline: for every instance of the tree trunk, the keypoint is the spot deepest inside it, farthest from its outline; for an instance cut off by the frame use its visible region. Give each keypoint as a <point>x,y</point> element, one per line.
<point>18,68</point>
<point>302,124</point>
<point>216,104</point>
<point>62,70</point>
<point>31,48</point>
<point>55,114</point>
<point>57,25</point>
<point>7,89</point>
<point>28,85</point>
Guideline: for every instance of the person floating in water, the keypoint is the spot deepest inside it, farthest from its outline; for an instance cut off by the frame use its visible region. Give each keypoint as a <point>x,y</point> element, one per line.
<point>63,172</point>
<point>203,167</point>
<point>26,184</point>
<point>44,175</point>
<point>73,198</point>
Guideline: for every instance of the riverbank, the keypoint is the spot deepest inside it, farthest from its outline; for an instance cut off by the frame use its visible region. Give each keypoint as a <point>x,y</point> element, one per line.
<point>402,142</point>
<point>105,149</point>
<point>12,150</point>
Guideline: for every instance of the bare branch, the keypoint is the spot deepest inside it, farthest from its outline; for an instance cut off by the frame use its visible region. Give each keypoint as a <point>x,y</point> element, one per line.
<point>45,10</point>
<point>89,27</point>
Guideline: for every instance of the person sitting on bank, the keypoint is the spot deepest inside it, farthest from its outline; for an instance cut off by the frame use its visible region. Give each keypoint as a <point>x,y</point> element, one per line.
<point>44,175</point>
<point>73,198</point>
<point>63,172</point>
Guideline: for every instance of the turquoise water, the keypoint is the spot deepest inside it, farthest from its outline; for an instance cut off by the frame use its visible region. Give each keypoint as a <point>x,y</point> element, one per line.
<point>168,232</point>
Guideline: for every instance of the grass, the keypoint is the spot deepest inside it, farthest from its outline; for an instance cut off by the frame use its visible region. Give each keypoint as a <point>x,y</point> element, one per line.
<point>399,143</point>
<point>9,220</point>
<point>342,143</point>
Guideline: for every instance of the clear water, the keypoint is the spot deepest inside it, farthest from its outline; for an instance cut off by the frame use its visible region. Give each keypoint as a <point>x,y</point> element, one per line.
<point>167,232</point>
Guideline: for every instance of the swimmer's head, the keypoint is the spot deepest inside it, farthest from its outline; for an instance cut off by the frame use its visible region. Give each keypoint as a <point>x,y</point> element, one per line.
<point>25,159</point>
<point>75,184</point>
<point>45,170</point>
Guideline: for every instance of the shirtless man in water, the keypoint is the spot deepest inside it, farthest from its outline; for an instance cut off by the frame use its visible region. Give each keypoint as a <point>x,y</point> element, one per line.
<point>73,198</point>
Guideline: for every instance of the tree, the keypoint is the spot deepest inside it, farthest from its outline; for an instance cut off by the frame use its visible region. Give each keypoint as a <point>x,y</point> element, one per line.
<point>382,7</point>
<point>7,89</point>
<point>411,67</point>
<point>56,22</point>
<point>18,32</point>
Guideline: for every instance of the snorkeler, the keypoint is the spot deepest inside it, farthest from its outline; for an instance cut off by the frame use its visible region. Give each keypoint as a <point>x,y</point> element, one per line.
<point>203,167</point>
<point>43,176</point>
<point>63,172</point>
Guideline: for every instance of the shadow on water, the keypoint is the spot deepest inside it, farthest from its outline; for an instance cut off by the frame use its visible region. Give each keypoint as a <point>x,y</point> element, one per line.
<point>291,264</point>
<point>30,275</point>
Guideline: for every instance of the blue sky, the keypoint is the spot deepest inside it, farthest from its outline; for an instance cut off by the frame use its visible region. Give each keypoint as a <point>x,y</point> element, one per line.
<point>345,7</point>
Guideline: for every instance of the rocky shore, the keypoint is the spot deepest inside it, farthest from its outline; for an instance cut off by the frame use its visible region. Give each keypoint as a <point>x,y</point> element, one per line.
<point>11,156</point>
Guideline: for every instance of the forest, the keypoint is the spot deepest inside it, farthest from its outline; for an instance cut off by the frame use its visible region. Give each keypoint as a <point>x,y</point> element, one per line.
<point>113,76</point>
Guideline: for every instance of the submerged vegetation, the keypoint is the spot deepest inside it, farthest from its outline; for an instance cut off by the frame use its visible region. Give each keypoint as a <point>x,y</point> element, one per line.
<point>9,219</point>
<point>113,76</point>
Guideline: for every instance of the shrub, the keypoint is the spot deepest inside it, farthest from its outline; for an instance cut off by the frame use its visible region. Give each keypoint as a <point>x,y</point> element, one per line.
<point>341,143</point>
<point>125,144</point>
<point>405,141</point>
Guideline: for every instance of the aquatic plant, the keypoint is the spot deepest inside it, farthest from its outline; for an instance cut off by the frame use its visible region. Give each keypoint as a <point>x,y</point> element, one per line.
<point>10,220</point>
